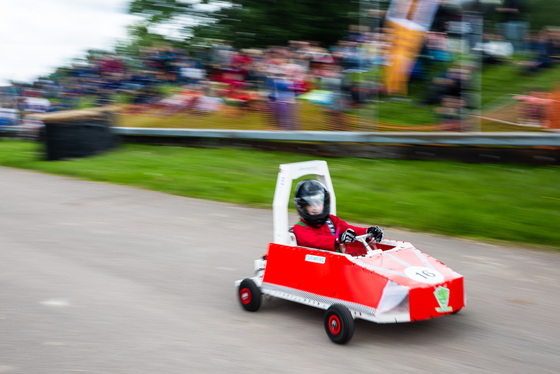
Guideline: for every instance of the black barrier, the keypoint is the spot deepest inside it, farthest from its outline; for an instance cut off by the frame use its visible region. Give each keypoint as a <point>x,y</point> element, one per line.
<point>77,138</point>
<point>462,153</point>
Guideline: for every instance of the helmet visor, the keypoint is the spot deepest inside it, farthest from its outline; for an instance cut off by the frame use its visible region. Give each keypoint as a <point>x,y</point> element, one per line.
<point>315,203</point>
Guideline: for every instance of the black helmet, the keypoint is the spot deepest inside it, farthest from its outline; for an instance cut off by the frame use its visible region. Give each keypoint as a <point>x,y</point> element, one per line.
<point>308,192</point>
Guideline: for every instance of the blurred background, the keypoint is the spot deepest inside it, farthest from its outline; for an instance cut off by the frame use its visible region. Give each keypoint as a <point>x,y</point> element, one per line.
<point>369,65</point>
<point>123,275</point>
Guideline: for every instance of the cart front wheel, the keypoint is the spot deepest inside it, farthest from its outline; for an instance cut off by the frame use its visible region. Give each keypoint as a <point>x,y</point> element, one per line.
<point>339,324</point>
<point>249,295</point>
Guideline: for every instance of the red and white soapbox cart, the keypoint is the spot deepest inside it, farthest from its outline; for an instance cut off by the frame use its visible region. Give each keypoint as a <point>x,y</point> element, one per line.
<point>393,282</point>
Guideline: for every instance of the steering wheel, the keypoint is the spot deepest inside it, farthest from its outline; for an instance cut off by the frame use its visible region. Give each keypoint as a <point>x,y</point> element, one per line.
<point>364,240</point>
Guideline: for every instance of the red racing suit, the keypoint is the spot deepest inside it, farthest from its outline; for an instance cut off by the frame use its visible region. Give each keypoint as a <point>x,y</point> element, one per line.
<point>324,237</point>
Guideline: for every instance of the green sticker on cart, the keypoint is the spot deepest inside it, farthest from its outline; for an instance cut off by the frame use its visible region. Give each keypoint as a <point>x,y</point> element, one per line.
<point>442,297</point>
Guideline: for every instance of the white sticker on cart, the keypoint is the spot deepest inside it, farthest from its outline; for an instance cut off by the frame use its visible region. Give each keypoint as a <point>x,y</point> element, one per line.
<point>424,275</point>
<point>316,259</point>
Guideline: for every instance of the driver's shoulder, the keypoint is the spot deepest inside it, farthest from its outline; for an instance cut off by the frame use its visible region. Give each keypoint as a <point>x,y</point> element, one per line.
<point>299,225</point>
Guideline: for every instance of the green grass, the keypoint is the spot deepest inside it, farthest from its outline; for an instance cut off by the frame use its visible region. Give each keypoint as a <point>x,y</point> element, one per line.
<point>498,81</point>
<point>489,202</point>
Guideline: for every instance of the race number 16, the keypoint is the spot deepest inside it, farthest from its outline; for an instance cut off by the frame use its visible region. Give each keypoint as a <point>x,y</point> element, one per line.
<point>424,275</point>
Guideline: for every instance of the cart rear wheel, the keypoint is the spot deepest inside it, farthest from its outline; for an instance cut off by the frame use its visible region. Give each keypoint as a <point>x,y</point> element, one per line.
<point>339,324</point>
<point>249,295</point>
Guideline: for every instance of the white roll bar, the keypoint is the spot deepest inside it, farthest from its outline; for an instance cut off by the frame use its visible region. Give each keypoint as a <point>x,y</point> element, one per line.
<point>286,175</point>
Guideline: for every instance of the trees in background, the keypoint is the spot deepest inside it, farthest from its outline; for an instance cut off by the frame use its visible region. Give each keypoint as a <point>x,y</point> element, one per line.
<point>250,23</point>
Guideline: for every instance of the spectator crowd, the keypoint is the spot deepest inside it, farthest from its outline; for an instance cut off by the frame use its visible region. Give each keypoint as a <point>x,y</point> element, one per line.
<point>274,80</point>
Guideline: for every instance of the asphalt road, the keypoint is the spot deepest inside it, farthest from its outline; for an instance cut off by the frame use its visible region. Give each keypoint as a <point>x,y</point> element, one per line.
<point>98,278</point>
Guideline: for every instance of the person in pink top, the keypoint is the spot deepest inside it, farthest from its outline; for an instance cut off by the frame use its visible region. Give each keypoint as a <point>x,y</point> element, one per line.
<point>319,229</point>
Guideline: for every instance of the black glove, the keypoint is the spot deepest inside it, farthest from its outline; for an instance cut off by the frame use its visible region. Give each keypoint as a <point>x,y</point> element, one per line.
<point>376,233</point>
<point>347,236</point>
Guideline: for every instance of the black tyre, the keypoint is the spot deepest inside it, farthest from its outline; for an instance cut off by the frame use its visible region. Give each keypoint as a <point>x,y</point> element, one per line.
<point>339,324</point>
<point>249,295</point>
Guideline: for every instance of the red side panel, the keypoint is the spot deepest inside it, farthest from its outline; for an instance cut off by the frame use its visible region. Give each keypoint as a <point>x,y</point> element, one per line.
<point>323,273</point>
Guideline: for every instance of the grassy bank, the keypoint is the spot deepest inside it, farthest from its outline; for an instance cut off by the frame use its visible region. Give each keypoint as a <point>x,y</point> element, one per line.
<point>489,202</point>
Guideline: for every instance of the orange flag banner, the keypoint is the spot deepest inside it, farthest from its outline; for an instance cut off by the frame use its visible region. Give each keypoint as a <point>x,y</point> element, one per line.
<point>406,23</point>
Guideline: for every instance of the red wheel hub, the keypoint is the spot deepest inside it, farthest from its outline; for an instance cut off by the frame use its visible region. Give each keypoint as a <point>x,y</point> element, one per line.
<point>245,296</point>
<point>334,324</point>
